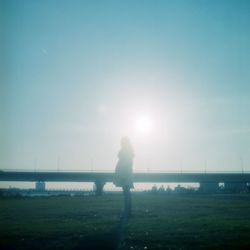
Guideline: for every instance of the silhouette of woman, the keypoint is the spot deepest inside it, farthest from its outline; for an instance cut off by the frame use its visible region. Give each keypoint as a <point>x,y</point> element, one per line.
<point>124,172</point>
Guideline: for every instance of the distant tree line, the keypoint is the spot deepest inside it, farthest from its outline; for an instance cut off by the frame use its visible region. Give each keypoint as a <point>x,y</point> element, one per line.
<point>191,190</point>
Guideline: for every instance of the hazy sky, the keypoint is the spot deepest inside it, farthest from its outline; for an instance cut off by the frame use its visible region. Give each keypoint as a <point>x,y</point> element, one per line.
<point>78,75</point>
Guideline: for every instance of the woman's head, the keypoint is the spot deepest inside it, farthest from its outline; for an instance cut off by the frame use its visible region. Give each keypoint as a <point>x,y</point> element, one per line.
<point>127,147</point>
<point>125,142</point>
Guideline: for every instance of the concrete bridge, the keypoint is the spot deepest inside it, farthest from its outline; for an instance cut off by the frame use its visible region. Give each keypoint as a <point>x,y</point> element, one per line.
<point>208,181</point>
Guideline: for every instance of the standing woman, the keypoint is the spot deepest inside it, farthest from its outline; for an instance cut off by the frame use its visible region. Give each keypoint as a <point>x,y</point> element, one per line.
<point>124,172</point>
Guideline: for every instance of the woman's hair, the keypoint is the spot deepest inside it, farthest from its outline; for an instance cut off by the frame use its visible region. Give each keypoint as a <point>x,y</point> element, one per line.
<point>125,141</point>
<point>126,144</point>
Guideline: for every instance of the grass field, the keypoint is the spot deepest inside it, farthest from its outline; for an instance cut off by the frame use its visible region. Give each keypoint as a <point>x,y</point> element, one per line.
<point>158,222</point>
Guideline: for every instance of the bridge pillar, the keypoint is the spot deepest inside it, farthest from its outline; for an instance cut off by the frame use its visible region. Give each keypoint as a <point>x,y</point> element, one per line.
<point>235,187</point>
<point>40,186</point>
<point>209,187</point>
<point>99,187</point>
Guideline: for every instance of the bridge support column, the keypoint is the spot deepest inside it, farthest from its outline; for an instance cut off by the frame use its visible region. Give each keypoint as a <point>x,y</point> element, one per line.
<point>99,187</point>
<point>40,186</point>
<point>235,187</point>
<point>209,187</point>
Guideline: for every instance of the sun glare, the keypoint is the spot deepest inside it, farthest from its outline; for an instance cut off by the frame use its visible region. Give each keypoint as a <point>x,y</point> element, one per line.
<point>144,124</point>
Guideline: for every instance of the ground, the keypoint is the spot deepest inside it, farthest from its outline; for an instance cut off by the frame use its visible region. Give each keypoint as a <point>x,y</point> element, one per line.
<point>158,222</point>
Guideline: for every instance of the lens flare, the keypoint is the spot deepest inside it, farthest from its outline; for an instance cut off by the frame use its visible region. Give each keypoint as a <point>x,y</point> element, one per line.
<point>144,124</point>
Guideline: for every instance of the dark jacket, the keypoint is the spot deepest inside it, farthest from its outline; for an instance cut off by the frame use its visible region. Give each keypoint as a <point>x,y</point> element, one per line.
<point>124,169</point>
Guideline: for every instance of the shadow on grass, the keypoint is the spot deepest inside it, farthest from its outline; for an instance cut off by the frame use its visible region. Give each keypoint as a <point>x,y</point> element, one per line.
<point>110,240</point>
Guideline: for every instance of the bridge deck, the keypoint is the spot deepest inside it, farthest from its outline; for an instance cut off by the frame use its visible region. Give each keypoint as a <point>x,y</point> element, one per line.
<point>108,177</point>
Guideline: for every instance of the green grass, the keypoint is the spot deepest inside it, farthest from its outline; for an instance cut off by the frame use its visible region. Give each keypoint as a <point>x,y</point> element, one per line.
<point>188,222</point>
<point>56,222</point>
<point>158,222</point>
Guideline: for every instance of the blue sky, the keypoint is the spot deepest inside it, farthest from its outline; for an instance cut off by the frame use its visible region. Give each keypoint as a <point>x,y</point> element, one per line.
<point>75,76</point>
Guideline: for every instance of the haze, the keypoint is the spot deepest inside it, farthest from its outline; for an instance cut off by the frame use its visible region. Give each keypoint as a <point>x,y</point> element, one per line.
<point>76,76</point>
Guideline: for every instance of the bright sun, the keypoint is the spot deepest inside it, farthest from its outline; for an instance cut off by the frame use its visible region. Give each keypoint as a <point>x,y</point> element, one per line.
<point>144,124</point>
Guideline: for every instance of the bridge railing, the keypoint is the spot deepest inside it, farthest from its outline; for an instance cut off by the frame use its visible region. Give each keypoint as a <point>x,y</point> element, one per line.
<point>112,171</point>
